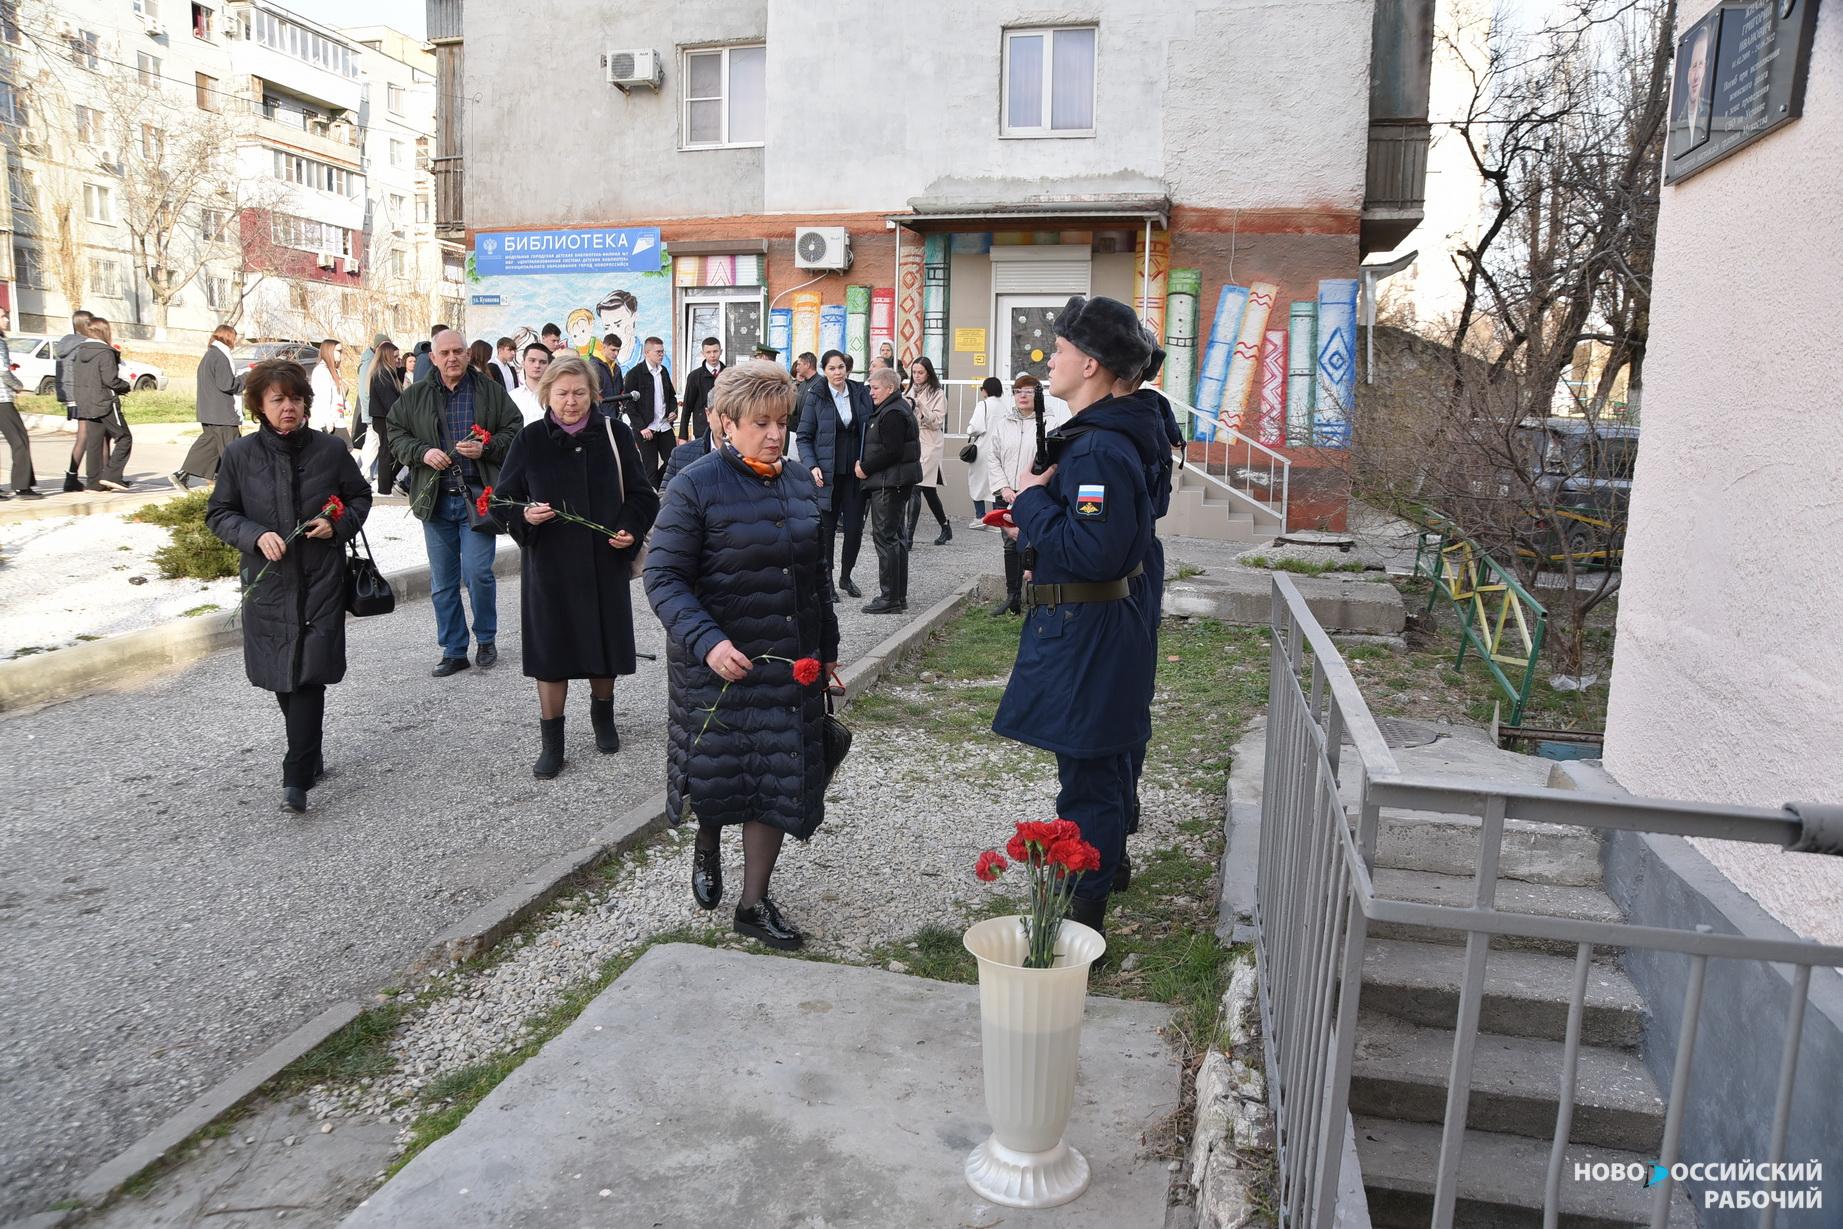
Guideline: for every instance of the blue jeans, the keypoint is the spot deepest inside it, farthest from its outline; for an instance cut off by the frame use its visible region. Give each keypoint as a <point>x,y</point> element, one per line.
<point>457,553</point>
<point>1098,795</point>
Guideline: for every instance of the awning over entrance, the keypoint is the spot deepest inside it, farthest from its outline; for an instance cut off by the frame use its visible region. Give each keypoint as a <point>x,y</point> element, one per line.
<point>1005,211</point>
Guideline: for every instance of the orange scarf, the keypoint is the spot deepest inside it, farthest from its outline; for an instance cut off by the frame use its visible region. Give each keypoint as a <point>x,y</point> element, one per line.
<point>764,469</point>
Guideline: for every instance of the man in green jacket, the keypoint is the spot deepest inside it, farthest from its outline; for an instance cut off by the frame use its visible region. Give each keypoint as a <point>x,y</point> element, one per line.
<point>432,431</point>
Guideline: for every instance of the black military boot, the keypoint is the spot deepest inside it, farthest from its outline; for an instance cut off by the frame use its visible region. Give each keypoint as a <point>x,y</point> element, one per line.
<point>1123,874</point>
<point>550,759</point>
<point>1090,913</point>
<point>601,716</point>
<point>1014,586</point>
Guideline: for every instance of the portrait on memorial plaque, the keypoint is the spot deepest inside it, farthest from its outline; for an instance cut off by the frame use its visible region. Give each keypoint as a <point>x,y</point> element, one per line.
<point>1690,101</point>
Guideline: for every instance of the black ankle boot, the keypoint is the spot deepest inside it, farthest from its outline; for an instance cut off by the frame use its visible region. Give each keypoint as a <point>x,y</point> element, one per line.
<point>707,877</point>
<point>1123,874</point>
<point>550,759</point>
<point>71,481</point>
<point>294,798</point>
<point>1090,913</point>
<point>945,536</point>
<point>764,922</point>
<point>601,716</point>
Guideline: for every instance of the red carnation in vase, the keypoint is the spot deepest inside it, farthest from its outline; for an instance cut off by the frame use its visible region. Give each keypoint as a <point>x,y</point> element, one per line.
<point>1076,857</point>
<point>481,504</point>
<point>806,671</point>
<point>1019,851</point>
<point>480,433</point>
<point>1040,832</point>
<point>334,509</point>
<point>990,866</point>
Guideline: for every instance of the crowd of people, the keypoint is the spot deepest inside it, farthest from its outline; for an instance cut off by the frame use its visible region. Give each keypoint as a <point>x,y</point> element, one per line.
<point>742,503</point>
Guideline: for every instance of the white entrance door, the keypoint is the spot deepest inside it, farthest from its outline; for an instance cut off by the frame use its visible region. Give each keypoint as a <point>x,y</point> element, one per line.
<point>734,320</point>
<point>1024,339</point>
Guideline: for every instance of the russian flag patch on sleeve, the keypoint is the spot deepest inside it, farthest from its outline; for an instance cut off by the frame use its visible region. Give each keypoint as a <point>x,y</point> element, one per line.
<point>1091,501</point>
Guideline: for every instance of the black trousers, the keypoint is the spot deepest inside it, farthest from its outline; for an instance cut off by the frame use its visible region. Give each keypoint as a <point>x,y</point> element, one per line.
<point>1014,564</point>
<point>916,495</point>
<point>656,452</point>
<point>847,514</point>
<point>13,427</point>
<point>207,450</point>
<point>889,508</point>
<point>304,713</point>
<point>111,429</point>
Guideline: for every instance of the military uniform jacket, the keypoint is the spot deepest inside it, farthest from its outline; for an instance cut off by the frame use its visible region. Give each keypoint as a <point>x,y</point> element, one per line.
<point>1082,679</point>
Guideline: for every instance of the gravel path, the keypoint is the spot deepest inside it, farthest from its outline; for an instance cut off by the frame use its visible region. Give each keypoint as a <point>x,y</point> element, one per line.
<point>74,578</point>
<point>165,921</point>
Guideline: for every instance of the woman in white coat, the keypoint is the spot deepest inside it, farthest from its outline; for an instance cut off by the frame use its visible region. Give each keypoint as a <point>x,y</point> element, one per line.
<point>991,403</point>
<point>1010,445</point>
<point>330,392</point>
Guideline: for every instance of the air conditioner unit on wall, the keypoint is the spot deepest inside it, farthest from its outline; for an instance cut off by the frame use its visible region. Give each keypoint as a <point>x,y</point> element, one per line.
<point>325,260</point>
<point>822,247</point>
<point>155,29</point>
<point>632,68</point>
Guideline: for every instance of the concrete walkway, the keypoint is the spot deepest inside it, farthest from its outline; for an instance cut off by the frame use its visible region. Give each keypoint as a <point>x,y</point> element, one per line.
<point>165,921</point>
<point>792,1093</point>
<point>158,450</point>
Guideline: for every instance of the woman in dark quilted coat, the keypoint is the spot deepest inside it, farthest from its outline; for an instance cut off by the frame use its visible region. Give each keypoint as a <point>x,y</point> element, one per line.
<point>735,572</point>
<point>294,620</point>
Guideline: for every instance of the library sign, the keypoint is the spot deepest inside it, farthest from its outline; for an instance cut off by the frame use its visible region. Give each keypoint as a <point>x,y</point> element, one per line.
<point>1740,73</point>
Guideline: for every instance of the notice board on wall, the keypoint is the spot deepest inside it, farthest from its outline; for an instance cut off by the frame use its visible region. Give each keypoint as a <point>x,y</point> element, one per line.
<point>1740,73</point>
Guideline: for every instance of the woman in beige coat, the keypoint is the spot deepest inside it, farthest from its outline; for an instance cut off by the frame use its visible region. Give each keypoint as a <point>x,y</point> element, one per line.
<point>930,402</point>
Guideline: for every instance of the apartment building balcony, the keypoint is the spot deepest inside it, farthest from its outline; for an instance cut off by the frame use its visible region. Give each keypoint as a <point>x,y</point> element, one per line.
<point>1395,188</point>
<point>450,213</point>
<point>336,143</point>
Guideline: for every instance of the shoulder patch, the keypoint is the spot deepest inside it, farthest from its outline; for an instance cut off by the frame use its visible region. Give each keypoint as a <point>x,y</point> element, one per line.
<point>1091,501</point>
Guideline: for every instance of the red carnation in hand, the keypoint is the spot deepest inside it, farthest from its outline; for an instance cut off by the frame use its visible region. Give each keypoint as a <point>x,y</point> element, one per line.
<point>990,866</point>
<point>806,671</point>
<point>481,504</point>
<point>480,433</point>
<point>334,509</point>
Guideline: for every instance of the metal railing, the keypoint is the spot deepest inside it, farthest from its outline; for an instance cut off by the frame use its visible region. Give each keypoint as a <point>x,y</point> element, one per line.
<point>1472,580</point>
<point>1315,900</point>
<point>1396,178</point>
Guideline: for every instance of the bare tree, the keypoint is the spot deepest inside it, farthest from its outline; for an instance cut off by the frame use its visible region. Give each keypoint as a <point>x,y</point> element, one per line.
<point>1566,131</point>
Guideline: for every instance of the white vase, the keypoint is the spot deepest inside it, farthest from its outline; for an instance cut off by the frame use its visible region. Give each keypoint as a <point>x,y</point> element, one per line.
<point>1030,1023</point>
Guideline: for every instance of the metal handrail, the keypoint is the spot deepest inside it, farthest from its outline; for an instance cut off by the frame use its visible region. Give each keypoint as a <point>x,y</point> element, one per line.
<point>1315,899</point>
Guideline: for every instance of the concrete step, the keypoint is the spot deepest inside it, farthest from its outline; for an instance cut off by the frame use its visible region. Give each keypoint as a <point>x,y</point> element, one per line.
<point>1501,1180</point>
<point>1401,1072</point>
<point>1526,993</point>
<point>1557,854</point>
<point>1513,896</point>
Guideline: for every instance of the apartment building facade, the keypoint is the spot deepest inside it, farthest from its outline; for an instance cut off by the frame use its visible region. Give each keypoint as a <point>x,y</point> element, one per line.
<point>173,165</point>
<point>1225,165</point>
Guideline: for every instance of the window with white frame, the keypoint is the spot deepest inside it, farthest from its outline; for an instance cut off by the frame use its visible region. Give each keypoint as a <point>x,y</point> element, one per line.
<point>396,262</point>
<point>105,277</point>
<point>153,142</point>
<point>393,95</point>
<point>29,267</point>
<point>9,22</point>
<point>308,235</point>
<point>21,190</point>
<point>399,207</point>
<point>311,173</point>
<point>1049,82</point>
<point>214,224</point>
<point>422,208</point>
<point>148,67</point>
<point>399,152</point>
<point>12,106</point>
<point>99,204</point>
<point>84,46</point>
<point>149,9</point>
<point>216,288</point>
<point>726,97</point>
<point>89,123</point>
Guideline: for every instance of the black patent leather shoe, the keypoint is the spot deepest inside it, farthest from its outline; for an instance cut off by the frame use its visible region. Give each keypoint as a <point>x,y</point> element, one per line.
<point>707,878</point>
<point>450,665</point>
<point>762,921</point>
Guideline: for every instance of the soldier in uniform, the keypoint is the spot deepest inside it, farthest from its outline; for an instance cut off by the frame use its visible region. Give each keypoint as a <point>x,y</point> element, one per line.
<point>1082,684</point>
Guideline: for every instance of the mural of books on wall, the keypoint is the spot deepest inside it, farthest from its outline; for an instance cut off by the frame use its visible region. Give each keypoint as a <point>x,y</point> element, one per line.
<point>1287,373</point>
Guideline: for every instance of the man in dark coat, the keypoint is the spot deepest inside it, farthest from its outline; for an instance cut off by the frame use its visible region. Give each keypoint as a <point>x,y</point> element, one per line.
<point>889,470</point>
<point>430,427</point>
<point>653,414</point>
<point>1080,686</point>
<point>830,442</point>
<point>61,384</point>
<point>698,384</point>
<point>218,387</point>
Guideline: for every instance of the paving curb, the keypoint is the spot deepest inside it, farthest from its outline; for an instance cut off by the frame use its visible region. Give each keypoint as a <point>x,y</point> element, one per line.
<point>478,932</point>
<point>131,658</point>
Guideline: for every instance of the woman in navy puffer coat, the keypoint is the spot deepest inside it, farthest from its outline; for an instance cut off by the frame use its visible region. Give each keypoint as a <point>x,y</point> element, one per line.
<point>735,573</point>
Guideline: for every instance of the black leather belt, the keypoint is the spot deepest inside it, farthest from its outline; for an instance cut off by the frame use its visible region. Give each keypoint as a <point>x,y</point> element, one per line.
<point>1084,591</point>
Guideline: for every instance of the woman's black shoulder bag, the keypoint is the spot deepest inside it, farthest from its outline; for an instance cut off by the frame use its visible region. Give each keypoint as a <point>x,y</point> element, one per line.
<point>367,592</point>
<point>836,736</point>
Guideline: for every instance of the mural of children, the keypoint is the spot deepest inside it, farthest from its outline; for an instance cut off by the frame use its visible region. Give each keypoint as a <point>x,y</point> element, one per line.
<point>618,312</point>
<point>581,327</point>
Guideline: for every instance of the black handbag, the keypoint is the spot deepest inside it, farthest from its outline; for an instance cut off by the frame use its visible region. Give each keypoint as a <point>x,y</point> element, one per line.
<point>969,452</point>
<point>836,736</point>
<point>367,592</point>
<point>479,522</point>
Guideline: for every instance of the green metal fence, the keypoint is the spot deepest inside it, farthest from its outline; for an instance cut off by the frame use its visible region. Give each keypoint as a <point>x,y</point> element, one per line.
<point>1498,619</point>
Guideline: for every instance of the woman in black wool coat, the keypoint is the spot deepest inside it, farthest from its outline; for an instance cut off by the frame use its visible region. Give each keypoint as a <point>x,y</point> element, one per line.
<point>573,582</point>
<point>736,574</point>
<point>294,619</point>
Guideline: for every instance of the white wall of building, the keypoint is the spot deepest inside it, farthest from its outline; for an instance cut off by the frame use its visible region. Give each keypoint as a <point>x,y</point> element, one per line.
<point>1726,684</point>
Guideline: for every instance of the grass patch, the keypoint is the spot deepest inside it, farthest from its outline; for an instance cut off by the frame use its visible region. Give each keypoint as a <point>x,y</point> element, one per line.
<point>137,407</point>
<point>1186,570</point>
<point>1301,567</point>
<point>360,1049</point>
<point>207,608</point>
<point>195,552</point>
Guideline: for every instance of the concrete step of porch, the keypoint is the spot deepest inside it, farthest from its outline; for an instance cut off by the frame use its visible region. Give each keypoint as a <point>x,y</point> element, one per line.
<point>1501,1181</point>
<point>1401,1072</point>
<point>1525,994</point>
<point>1513,896</point>
<point>1438,844</point>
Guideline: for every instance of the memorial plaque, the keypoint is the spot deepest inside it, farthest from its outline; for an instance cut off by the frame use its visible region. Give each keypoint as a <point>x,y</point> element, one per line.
<point>1740,73</point>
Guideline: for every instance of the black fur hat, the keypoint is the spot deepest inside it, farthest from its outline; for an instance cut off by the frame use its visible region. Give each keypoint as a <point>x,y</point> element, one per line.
<point>1156,363</point>
<point>1108,331</point>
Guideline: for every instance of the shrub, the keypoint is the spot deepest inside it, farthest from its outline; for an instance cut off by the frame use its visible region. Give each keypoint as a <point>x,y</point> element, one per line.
<point>195,553</point>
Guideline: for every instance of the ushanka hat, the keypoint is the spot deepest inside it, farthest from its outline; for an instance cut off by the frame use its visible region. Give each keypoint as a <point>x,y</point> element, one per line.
<point>1107,331</point>
<point>1156,363</point>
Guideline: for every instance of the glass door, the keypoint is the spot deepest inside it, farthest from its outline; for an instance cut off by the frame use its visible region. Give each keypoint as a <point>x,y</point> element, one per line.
<point>735,320</point>
<point>1025,338</point>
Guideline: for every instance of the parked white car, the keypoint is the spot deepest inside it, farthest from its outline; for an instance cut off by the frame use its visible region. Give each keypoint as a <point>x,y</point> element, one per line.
<point>36,368</point>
